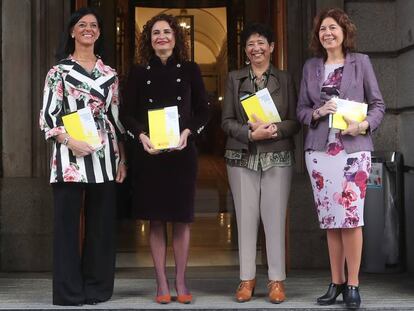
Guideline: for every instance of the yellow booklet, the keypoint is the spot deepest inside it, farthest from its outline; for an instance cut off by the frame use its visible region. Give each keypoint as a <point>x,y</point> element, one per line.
<point>81,126</point>
<point>261,104</point>
<point>164,128</point>
<point>353,110</point>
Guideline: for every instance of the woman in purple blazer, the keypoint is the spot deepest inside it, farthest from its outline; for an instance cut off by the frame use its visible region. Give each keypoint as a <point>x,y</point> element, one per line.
<point>339,162</point>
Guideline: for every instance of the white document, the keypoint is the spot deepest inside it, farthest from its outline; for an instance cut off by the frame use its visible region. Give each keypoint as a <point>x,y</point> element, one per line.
<point>172,125</point>
<point>268,105</point>
<point>89,127</point>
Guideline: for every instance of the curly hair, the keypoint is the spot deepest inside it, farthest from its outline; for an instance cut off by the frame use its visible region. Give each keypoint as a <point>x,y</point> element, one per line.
<point>343,20</point>
<point>145,50</point>
<point>257,28</point>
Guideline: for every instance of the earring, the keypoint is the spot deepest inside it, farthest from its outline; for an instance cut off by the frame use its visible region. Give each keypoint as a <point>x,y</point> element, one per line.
<point>73,36</point>
<point>247,62</point>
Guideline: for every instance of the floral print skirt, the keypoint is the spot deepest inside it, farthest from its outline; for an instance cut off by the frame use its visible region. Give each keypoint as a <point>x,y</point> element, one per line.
<point>339,182</point>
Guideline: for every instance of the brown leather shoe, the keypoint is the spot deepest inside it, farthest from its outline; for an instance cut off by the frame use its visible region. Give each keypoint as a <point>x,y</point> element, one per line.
<point>276,291</point>
<point>245,290</point>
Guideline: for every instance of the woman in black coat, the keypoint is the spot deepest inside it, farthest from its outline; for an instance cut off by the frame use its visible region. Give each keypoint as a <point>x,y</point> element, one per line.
<point>164,182</point>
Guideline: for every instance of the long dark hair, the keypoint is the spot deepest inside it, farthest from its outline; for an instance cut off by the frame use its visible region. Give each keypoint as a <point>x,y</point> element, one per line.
<point>67,43</point>
<point>145,50</point>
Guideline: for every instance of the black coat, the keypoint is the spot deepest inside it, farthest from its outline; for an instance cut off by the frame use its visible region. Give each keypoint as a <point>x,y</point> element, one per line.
<point>164,184</point>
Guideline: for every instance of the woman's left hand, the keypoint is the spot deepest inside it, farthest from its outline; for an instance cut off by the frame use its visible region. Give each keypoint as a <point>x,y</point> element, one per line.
<point>121,174</point>
<point>355,128</point>
<point>183,140</point>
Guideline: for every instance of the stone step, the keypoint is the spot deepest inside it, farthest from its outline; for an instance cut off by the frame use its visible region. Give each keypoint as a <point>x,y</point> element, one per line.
<point>213,289</point>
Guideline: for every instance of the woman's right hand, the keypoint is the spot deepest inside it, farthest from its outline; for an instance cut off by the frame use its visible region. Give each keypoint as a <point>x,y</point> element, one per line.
<point>148,146</point>
<point>264,131</point>
<point>327,108</point>
<point>79,148</point>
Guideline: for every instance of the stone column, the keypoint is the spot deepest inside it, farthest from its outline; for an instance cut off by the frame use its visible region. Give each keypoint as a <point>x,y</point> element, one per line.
<point>30,32</point>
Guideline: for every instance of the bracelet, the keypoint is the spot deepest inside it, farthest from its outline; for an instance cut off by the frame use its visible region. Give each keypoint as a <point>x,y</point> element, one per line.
<point>249,135</point>
<point>318,115</point>
<point>123,162</point>
<point>65,141</point>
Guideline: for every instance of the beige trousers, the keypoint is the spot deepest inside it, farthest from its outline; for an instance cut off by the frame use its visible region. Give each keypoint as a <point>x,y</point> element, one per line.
<point>262,195</point>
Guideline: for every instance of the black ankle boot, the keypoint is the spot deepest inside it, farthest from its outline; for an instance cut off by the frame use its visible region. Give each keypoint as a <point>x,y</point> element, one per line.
<point>351,297</point>
<point>334,290</point>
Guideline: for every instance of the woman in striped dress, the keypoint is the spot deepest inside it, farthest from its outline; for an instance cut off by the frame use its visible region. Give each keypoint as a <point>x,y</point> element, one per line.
<point>82,174</point>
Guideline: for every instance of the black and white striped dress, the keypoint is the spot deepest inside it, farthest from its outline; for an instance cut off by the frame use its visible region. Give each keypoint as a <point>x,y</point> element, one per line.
<point>69,87</point>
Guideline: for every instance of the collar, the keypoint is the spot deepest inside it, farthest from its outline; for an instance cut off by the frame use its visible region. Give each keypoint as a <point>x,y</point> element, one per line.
<point>155,60</point>
<point>244,72</point>
<point>349,58</point>
<point>253,76</point>
<point>245,85</point>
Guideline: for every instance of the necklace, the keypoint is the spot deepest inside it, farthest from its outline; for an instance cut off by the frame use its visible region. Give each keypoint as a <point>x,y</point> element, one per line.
<point>85,60</point>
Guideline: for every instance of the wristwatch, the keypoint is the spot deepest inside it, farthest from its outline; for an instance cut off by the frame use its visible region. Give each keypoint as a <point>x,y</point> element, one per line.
<point>65,141</point>
<point>250,136</point>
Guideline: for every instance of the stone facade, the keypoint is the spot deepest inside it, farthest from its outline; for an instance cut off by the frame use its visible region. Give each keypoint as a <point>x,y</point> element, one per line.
<point>385,32</point>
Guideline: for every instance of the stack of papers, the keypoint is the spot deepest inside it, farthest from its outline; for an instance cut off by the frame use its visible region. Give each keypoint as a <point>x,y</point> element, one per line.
<point>352,110</point>
<point>260,104</point>
<point>164,128</point>
<point>81,126</point>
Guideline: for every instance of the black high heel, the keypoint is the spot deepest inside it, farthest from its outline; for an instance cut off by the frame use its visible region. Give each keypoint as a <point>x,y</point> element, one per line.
<point>334,290</point>
<point>351,297</point>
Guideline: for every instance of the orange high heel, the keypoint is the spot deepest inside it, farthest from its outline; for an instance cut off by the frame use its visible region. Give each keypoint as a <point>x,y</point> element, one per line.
<point>185,298</point>
<point>163,299</point>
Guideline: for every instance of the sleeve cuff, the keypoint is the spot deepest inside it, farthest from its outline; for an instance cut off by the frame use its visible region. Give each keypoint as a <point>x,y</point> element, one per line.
<point>54,132</point>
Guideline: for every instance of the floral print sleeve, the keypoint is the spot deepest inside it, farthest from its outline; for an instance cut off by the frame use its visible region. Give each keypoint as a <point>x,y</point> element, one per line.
<point>114,108</point>
<point>50,115</point>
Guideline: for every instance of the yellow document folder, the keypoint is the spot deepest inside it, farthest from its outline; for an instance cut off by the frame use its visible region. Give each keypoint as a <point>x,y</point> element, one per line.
<point>164,129</point>
<point>260,104</point>
<point>81,126</point>
<point>352,110</point>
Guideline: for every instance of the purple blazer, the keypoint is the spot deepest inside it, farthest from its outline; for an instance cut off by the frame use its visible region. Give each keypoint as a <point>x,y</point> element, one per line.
<point>358,83</point>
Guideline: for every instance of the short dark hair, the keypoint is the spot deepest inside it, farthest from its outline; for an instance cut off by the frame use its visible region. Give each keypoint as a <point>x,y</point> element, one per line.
<point>145,50</point>
<point>67,43</point>
<point>260,29</point>
<point>343,20</point>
